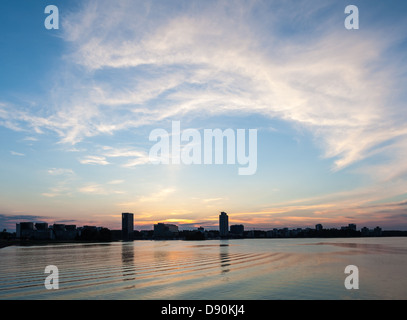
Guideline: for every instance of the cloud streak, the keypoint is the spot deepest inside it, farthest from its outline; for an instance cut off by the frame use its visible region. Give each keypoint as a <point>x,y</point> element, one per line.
<point>212,62</point>
<point>95,160</point>
<point>19,154</point>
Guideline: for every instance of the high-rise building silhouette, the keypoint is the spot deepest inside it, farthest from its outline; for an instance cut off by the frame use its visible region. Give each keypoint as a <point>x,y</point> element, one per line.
<point>127,226</point>
<point>223,224</point>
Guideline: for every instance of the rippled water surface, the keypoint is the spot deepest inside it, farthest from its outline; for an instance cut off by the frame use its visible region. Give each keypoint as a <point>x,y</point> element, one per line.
<point>227,269</point>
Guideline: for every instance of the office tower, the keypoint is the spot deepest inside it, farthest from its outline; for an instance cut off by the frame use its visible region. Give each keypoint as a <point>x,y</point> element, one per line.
<point>223,224</point>
<point>127,226</point>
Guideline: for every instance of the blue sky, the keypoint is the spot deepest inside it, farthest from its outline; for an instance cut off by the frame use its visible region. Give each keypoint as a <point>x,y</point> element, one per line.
<point>77,106</point>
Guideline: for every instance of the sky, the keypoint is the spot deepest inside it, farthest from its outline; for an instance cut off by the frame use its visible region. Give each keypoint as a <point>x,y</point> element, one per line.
<point>78,105</point>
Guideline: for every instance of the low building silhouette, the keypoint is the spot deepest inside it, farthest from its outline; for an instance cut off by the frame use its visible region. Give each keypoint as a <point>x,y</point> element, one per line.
<point>24,230</point>
<point>350,226</point>
<point>165,231</point>
<point>63,232</point>
<point>366,232</point>
<point>237,230</point>
<point>41,231</point>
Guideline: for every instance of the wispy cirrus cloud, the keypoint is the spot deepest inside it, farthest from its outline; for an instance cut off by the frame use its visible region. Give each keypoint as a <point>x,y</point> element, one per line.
<point>158,195</point>
<point>215,61</point>
<point>137,157</point>
<point>313,83</point>
<point>116,182</point>
<point>19,154</point>
<point>99,189</point>
<point>60,171</point>
<point>62,187</point>
<point>96,160</point>
<point>30,139</point>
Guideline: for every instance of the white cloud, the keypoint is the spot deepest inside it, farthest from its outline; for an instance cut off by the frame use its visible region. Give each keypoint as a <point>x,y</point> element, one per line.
<point>75,150</point>
<point>17,154</point>
<point>171,62</point>
<point>208,200</point>
<point>98,160</point>
<point>139,157</point>
<point>136,162</point>
<point>328,90</point>
<point>93,189</point>
<point>111,152</point>
<point>30,139</point>
<point>50,195</point>
<point>116,182</point>
<point>98,189</point>
<point>158,195</point>
<point>62,188</point>
<point>60,171</point>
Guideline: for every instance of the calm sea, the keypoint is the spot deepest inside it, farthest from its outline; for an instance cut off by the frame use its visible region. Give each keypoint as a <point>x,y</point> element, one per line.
<point>227,269</point>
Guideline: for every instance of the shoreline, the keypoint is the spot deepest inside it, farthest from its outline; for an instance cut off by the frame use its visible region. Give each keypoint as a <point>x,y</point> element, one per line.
<point>30,243</point>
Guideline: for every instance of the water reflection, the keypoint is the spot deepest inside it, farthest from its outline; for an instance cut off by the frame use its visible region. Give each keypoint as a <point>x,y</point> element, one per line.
<point>237,269</point>
<point>161,257</point>
<point>224,257</point>
<point>366,247</point>
<point>128,267</point>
